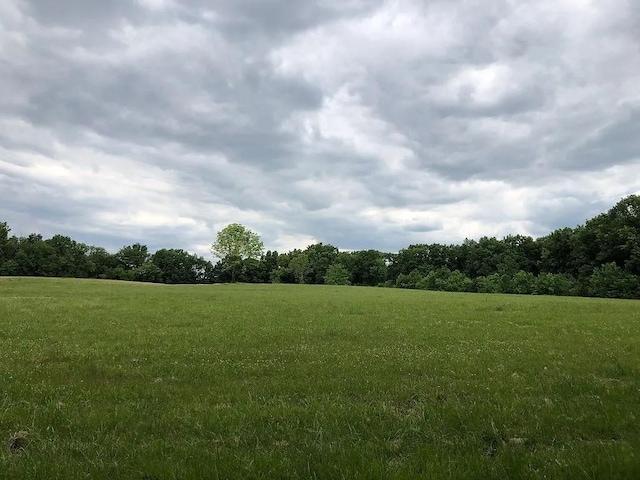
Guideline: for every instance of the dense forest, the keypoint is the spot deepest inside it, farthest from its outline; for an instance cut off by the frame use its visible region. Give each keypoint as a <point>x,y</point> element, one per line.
<point>600,258</point>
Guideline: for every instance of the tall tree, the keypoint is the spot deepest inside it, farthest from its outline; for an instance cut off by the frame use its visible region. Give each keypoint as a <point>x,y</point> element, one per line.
<point>8,249</point>
<point>236,243</point>
<point>269,265</point>
<point>4,241</point>
<point>321,257</point>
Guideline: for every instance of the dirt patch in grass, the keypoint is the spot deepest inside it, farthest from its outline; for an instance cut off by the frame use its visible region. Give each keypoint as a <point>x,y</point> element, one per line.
<point>19,441</point>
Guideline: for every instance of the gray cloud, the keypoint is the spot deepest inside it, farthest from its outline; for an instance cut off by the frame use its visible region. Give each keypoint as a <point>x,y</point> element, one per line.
<point>363,124</point>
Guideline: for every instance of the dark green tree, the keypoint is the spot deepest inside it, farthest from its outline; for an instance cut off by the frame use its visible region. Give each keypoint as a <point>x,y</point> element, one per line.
<point>101,262</point>
<point>611,281</point>
<point>34,257</point>
<point>565,250</point>
<point>8,248</point>
<point>147,272</point>
<point>67,258</point>
<point>616,234</point>
<point>367,267</point>
<point>179,266</point>
<point>133,256</point>
<point>321,257</point>
<point>269,265</point>
<point>411,280</point>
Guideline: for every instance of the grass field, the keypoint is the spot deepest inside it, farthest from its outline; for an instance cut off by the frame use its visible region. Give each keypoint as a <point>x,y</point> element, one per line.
<point>120,380</point>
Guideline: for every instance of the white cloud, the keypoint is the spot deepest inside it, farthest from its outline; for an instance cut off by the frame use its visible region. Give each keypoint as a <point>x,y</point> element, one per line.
<point>483,86</point>
<point>346,52</point>
<point>158,5</point>
<point>344,119</point>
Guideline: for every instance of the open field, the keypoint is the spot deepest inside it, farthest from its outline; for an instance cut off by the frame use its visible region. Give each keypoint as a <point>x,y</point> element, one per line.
<point>118,381</point>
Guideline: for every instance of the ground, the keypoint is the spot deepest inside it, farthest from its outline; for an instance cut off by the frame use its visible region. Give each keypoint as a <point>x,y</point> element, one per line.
<point>112,380</point>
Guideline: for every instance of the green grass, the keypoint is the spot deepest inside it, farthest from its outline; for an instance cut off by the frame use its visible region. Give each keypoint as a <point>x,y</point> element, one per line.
<point>121,380</point>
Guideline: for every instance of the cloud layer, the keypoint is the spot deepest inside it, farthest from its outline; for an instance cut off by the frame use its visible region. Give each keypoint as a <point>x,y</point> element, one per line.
<point>365,124</point>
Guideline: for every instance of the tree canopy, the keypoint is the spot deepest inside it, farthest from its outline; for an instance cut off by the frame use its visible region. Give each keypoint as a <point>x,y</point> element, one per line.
<point>236,243</point>
<point>235,240</point>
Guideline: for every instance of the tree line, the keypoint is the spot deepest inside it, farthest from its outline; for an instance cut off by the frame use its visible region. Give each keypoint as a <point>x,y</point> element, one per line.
<point>600,258</point>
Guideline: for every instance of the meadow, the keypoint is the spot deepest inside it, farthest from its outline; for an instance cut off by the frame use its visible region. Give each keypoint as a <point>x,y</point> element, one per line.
<point>110,380</point>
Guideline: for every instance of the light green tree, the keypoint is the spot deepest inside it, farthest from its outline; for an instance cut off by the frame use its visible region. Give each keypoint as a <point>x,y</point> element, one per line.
<point>236,243</point>
<point>299,264</point>
<point>337,274</point>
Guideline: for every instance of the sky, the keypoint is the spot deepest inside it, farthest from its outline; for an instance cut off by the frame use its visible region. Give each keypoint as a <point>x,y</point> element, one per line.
<point>363,124</point>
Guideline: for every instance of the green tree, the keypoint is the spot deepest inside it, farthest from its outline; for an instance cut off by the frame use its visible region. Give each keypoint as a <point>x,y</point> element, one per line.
<point>176,266</point>
<point>321,257</point>
<point>101,262</point>
<point>523,283</point>
<point>251,270</point>
<point>6,253</point>
<point>566,250</point>
<point>337,274</point>
<point>4,238</point>
<point>553,284</point>
<point>488,284</point>
<point>269,265</point>
<point>458,282</point>
<point>412,258</point>
<point>34,257</point>
<point>148,272</point>
<point>298,264</point>
<point>8,249</point>
<point>134,256</point>
<point>236,243</point>
<point>367,267</point>
<point>67,257</point>
<point>616,235</point>
<point>611,281</point>
<point>411,280</point>
<point>434,280</point>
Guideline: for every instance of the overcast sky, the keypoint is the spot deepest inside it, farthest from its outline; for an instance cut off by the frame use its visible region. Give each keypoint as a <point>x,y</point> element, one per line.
<point>364,124</point>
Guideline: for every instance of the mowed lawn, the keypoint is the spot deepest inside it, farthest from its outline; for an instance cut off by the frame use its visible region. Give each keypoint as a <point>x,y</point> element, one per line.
<point>121,380</point>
